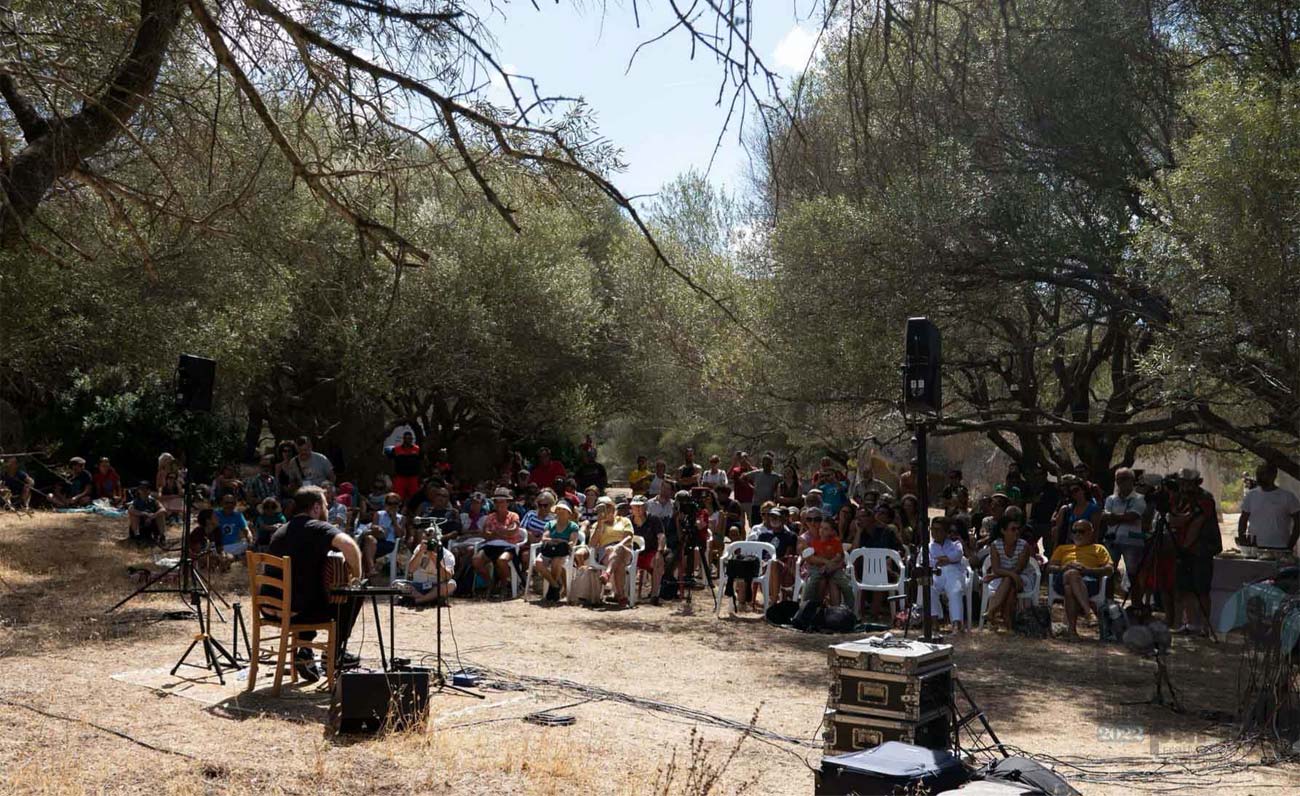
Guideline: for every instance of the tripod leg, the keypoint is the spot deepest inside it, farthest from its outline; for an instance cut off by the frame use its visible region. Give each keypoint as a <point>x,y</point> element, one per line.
<point>142,589</point>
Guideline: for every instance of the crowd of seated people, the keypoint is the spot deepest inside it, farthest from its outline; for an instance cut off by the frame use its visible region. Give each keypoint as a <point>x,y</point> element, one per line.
<point>1152,540</point>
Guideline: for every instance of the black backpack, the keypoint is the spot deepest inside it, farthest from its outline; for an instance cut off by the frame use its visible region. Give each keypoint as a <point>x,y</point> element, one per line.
<point>782,613</point>
<point>809,616</point>
<point>668,589</point>
<point>838,619</point>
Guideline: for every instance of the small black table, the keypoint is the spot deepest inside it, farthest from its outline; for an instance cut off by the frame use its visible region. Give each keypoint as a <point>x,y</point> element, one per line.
<point>374,593</point>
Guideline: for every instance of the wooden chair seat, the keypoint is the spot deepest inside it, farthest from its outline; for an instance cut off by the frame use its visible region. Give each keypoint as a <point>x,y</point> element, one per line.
<point>288,635</point>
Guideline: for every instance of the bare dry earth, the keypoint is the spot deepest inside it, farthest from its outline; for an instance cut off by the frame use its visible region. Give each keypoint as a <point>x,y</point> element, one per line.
<point>58,651</point>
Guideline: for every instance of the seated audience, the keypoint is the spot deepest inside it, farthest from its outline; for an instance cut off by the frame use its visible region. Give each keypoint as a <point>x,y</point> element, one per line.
<point>1076,570</point>
<point>146,517</point>
<point>949,563</point>
<point>641,477</point>
<point>428,585</point>
<point>379,538</point>
<point>1006,576</point>
<point>653,531</point>
<point>502,534</point>
<point>227,483</point>
<point>609,539</point>
<point>77,490</point>
<point>108,484</point>
<point>269,519</point>
<point>826,564</point>
<point>19,484</point>
<point>263,485</point>
<point>233,537</point>
<point>559,537</point>
<point>775,532</point>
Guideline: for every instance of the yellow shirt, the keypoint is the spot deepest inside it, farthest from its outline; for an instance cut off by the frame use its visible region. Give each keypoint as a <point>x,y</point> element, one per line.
<point>1090,556</point>
<point>640,480</point>
<point>612,533</point>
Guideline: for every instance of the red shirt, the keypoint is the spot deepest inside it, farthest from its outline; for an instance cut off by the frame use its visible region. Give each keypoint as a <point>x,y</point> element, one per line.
<point>827,548</point>
<point>544,475</point>
<point>106,483</point>
<point>742,487</point>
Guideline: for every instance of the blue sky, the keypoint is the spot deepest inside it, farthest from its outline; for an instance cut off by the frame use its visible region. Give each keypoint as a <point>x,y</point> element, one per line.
<point>663,112</point>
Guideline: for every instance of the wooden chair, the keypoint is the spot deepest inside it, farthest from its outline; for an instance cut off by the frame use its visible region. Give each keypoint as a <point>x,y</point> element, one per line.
<point>273,612</point>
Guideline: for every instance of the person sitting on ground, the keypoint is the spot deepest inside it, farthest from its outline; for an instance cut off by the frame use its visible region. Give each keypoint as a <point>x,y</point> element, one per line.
<point>949,562</point>
<point>610,541</point>
<point>233,537</point>
<point>640,477</point>
<point>146,518</point>
<point>202,540</point>
<point>775,532</point>
<point>268,521</point>
<point>653,530</point>
<point>263,485</point>
<point>427,586</point>
<point>1076,570</point>
<point>227,482</point>
<point>1006,575</point>
<point>826,564</point>
<point>557,542</point>
<point>337,514</point>
<point>19,484</point>
<point>171,495</point>
<point>108,484</point>
<point>502,534</point>
<point>379,537</point>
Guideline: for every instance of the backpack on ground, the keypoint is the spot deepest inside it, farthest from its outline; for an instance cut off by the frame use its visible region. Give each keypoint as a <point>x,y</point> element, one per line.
<point>809,616</point>
<point>782,613</point>
<point>838,619</point>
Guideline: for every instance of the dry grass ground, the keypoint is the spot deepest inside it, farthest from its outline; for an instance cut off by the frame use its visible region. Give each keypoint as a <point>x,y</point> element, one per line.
<point>58,650</point>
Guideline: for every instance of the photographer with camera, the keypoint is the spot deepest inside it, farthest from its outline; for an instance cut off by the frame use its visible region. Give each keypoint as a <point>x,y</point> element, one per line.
<point>428,585</point>
<point>1195,519</point>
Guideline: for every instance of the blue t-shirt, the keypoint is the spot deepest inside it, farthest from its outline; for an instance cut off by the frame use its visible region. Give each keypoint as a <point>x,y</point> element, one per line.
<point>566,534</point>
<point>534,524</point>
<point>232,527</point>
<point>834,495</point>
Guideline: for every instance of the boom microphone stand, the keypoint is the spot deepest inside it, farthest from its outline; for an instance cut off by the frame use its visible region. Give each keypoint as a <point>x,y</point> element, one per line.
<point>435,548</point>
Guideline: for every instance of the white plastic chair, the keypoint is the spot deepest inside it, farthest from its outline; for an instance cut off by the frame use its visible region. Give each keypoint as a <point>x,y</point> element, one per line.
<point>1028,595</point>
<point>579,540</point>
<point>766,554</point>
<point>1055,596</point>
<point>876,576</point>
<point>798,574</point>
<point>638,544</point>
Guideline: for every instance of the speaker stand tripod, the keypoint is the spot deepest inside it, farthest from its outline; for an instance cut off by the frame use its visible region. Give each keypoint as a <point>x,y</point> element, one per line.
<point>1158,697</point>
<point>216,658</point>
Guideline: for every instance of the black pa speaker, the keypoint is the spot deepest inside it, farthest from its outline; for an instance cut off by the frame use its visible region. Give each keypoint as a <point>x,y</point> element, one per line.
<point>194,379</point>
<point>922,391</point>
<point>368,701</point>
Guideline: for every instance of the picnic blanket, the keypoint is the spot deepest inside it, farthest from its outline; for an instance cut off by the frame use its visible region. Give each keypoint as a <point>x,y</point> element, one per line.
<point>101,507</point>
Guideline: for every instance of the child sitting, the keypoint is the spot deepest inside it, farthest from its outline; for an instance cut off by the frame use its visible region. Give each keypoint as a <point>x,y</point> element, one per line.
<point>827,564</point>
<point>269,518</point>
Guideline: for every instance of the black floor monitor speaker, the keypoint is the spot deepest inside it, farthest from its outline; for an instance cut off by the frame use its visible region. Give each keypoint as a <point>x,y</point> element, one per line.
<point>369,701</point>
<point>922,357</point>
<point>195,377</point>
<point>889,769</point>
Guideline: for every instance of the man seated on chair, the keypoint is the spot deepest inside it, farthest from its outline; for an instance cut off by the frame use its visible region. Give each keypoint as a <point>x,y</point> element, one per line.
<point>610,542</point>
<point>379,538</point>
<point>826,563</point>
<point>307,540</point>
<point>146,519</point>
<point>651,559</point>
<point>774,531</point>
<point>949,564</point>
<point>1076,571</point>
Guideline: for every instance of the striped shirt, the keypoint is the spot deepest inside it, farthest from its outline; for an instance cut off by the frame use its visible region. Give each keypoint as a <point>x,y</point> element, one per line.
<point>534,524</point>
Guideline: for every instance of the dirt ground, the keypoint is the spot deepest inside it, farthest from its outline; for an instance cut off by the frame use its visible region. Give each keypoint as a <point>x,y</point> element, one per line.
<point>71,728</point>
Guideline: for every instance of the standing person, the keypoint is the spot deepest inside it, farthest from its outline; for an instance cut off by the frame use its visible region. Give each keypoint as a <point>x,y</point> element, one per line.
<point>78,490</point>
<point>640,477</point>
<point>742,487</point>
<point>790,492</point>
<point>308,467</point>
<point>306,540</point>
<point>406,466</point>
<point>765,481</point>
<point>1083,473</point>
<point>949,560</point>
<point>546,469</point>
<point>285,472</point>
<point>19,484</point>
<point>1075,570</point>
<point>911,521</point>
<point>661,477</point>
<point>1269,513</point>
<point>715,475</point>
<point>688,475</point>
<point>955,494</point>
<point>907,480</point>
<point>591,472</point>
<point>730,522</point>
<point>108,484</point>
<point>833,486</point>
<point>1124,538</point>
<point>1196,518</point>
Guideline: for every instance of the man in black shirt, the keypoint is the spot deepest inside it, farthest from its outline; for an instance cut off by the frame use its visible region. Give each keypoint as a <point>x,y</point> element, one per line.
<point>688,475</point>
<point>775,532</point>
<point>653,531</point>
<point>306,540</point>
<point>79,490</point>
<point>591,472</point>
<point>146,520</point>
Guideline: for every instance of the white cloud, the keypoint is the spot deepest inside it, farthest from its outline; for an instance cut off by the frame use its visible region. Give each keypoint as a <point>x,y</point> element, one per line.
<point>794,49</point>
